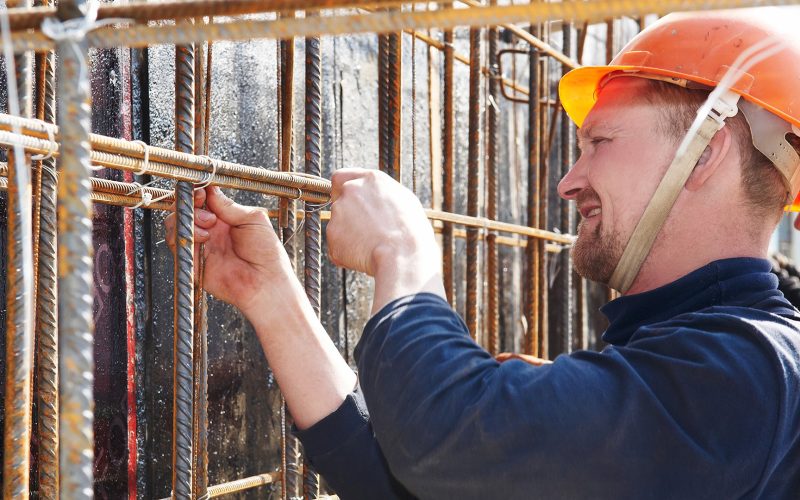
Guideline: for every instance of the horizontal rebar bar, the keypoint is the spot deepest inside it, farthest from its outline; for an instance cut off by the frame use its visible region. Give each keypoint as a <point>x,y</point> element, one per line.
<point>382,22</point>
<point>121,162</point>
<point>31,18</point>
<point>238,485</point>
<point>203,164</point>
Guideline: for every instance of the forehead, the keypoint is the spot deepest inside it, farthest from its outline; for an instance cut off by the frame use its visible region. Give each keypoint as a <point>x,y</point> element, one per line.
<point>621,103</point>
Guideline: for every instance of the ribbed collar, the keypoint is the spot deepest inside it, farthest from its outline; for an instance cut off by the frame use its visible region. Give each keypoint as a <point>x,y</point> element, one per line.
<point>729,282</point>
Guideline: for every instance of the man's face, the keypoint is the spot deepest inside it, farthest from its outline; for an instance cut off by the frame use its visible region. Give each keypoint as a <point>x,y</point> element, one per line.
<point>623,157</point>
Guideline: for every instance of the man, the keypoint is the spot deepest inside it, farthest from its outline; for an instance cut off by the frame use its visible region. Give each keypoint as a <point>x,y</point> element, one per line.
<point>698,394</point>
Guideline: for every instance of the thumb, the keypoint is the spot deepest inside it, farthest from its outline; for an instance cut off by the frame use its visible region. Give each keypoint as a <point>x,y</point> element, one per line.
<point>227,210</point>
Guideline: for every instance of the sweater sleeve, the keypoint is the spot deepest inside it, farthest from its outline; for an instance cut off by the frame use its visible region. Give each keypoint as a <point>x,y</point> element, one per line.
<point>640,420</point>
<point>343,449</point>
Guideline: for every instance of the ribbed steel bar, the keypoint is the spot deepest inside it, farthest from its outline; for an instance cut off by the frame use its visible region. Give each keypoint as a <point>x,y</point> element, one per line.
<point>291,477</point>
<point>75,337</point>
<point>19,334</point>
<point>25,18</point>
<point>394,109</point>
<point>127,155</point>
<point>531,289</point>
<point>313,227</point>
<point>571,341</point>
<point>492,256</point>
<point>383,104</point>
<point>19,300</point>
<point>183,438</point>
<point>120,162</point>
<point>385,22</point>
<point>543,96</point>
<point>448,167</point>
<point>473,176</point>
<point>200,366</point>
<point>247,483</point>
<point>46,297</point>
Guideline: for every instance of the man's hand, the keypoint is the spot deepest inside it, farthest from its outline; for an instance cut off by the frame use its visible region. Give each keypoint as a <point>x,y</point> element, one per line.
<point>531,360</point>
<point>243,255</point>
<point>379,227</point>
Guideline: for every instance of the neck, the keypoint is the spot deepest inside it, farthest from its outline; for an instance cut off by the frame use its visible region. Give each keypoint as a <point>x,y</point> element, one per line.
<point>667,263</point>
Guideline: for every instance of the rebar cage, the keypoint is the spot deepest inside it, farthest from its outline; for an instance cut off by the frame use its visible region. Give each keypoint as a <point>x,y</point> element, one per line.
<point>269,97</point>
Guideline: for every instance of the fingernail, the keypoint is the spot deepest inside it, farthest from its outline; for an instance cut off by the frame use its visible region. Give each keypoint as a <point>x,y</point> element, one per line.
<point>204,215</point>
<point>199,231</point>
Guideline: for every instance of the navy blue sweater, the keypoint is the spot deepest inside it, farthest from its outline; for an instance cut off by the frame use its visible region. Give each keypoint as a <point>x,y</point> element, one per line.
<point>697,396</point>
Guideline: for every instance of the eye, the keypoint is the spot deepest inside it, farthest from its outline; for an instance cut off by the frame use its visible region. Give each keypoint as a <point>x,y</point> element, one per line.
<point>599,140</point>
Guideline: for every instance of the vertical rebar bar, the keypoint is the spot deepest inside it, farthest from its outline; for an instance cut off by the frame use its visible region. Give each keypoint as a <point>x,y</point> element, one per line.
<point>448,168</point>
<point>290,448</point>
<point>75,337</point>
<point>200,369</point>
<point>390,102</point>
<point>313,226</point>
<point>571,342</point>
<point>473,176</point>
<point>531,293</point>
<point>492,268</point>
<point>19,299</point>
<point>46,318</point>
<point>183,445</point>
<point>543,95</point>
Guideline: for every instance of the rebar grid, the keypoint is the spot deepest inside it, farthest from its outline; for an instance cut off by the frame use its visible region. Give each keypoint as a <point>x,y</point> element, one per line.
<point>75,252</point>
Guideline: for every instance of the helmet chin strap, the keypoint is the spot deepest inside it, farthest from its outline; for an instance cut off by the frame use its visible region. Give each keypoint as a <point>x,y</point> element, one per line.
<point>650,224</point>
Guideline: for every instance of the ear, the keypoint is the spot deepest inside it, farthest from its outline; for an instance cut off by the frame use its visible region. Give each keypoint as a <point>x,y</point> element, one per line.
<point>711,159</point>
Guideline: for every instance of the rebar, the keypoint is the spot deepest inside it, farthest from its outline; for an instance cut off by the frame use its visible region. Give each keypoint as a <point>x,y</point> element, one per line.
<point>141,35</point>
<point>200,366</point>
<point>313,226</point>
<point>570,340</point>
<point>473,176</point>
<point>492,256</point>
<point>394,109</point>
<point>531,290</point>
<point>46,297</point>
<point>75,252</point>
<point>543,96</point>
<point>183,438</point>
<point>19,336</point>
<point>448,167</point>
<point>247,483</point>
<point>127,155</point>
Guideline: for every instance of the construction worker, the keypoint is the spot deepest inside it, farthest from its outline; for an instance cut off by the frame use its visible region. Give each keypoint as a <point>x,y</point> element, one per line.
<point>697,394</point>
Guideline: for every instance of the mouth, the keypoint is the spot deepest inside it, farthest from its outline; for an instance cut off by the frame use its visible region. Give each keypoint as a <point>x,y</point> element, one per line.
<point>589,212</point>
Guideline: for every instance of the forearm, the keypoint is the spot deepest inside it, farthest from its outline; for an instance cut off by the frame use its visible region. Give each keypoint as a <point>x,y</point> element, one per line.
<point>312,375</point>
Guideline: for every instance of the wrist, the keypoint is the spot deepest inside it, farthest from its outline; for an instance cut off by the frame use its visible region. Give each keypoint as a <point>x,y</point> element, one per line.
<point>407,270</point>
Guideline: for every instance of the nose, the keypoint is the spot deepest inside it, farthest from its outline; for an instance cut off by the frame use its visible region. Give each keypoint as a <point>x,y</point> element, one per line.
<point>574,182</point>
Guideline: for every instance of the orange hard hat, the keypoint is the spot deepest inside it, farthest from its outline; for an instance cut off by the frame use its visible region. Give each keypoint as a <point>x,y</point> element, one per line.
<point>699,48</point>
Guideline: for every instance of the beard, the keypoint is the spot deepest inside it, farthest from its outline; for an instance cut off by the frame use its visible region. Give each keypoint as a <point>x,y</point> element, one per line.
<point>596,252</point>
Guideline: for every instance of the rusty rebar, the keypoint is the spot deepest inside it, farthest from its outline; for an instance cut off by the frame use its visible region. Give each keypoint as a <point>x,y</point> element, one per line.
<point>473,175</point>
<point>183,443</point>
<point>46,298</point>
<point>313,226</point>
<point>394,62</point>
<point>492,256</point>
<point>127,155</point>
<point>570,340</point>
<point>290,448</point>
<point>200,366</point>
<point>543,96</point>
<point>531,289</point>
<point>19,297</point>
<point>27,18</point>
<point>75,252</point>
<point>142,35</point>
<point>448,167</point>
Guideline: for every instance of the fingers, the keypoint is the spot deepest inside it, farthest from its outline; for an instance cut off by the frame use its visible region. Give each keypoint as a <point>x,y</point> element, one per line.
<point>199,197</point>
<point>341,176</point>
<point>531,360</point>
<point>228,211</point>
